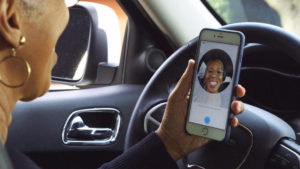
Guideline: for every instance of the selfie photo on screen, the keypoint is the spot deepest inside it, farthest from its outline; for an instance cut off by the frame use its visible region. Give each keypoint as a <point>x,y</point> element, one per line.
<point>216,71</point>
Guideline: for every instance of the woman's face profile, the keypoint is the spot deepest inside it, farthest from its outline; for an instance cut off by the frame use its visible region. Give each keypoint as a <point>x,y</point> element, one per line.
<point>42,27</point>
<point>213,76</point>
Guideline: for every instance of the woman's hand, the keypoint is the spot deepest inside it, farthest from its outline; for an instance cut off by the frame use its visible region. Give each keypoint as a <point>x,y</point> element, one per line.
<point>171,130</point>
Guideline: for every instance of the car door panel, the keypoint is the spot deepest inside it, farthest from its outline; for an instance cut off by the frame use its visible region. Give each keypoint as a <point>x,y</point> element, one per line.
<point>37,126</point>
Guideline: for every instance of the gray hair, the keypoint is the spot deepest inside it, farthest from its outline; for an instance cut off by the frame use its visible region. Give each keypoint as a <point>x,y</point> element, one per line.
<point>32,8</point>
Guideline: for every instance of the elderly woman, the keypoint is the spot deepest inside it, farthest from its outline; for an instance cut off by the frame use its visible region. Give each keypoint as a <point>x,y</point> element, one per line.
<point>29,30</point>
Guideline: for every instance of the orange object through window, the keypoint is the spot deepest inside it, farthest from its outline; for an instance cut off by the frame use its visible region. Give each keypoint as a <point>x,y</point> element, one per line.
<point>113,4</point>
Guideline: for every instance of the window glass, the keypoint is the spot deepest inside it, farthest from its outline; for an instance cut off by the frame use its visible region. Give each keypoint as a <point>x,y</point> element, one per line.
<point>113,22</point>
<point>122,21</point>
<point>283,13</point>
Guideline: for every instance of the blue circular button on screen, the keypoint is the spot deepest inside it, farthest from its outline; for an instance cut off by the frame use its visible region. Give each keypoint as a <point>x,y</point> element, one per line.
<point>207,120</point>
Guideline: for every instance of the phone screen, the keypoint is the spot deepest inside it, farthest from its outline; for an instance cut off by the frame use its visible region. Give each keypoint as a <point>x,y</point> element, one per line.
<point>213,84</point>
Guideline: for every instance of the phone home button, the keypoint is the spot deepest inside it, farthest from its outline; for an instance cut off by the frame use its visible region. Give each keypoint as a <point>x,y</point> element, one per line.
<point>204,131</point>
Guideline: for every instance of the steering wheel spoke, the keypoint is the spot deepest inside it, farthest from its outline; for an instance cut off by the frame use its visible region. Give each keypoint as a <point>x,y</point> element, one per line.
<point>286,155</point>
<point>153,117</point>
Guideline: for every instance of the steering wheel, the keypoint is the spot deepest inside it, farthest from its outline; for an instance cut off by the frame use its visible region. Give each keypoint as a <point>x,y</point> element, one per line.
<point>270,133</point>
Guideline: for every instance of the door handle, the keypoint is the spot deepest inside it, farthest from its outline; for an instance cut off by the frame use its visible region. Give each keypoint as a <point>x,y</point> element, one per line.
<point>80,131</point>
<point>77,132</point>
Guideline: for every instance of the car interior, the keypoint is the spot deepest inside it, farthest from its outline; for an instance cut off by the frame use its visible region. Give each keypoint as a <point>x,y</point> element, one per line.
<point>119,61</point>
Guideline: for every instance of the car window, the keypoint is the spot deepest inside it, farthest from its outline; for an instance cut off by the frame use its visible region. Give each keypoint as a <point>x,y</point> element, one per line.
<point>115,33</point>
<point>113,23</point>
<point>283,13</point>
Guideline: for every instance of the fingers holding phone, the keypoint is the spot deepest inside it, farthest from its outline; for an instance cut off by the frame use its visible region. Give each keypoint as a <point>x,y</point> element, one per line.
<point>171,130</point>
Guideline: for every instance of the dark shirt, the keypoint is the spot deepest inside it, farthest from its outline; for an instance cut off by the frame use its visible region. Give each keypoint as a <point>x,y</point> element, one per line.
<point>149,153</point>
<point>4,160</point>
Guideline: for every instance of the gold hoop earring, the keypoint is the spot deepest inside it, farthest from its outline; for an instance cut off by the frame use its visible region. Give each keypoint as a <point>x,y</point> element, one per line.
<point>14,56</point>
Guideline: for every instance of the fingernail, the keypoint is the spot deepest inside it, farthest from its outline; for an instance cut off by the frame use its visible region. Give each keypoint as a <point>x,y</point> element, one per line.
<point>240,107</point>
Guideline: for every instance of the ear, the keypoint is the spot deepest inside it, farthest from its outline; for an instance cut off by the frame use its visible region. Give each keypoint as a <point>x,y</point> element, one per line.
<point>10,22</point>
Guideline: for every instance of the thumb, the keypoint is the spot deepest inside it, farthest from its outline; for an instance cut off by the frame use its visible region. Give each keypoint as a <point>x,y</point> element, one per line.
<point>185,82</point>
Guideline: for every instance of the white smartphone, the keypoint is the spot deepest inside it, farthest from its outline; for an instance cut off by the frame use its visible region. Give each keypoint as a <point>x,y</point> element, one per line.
<point>216,74</point>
